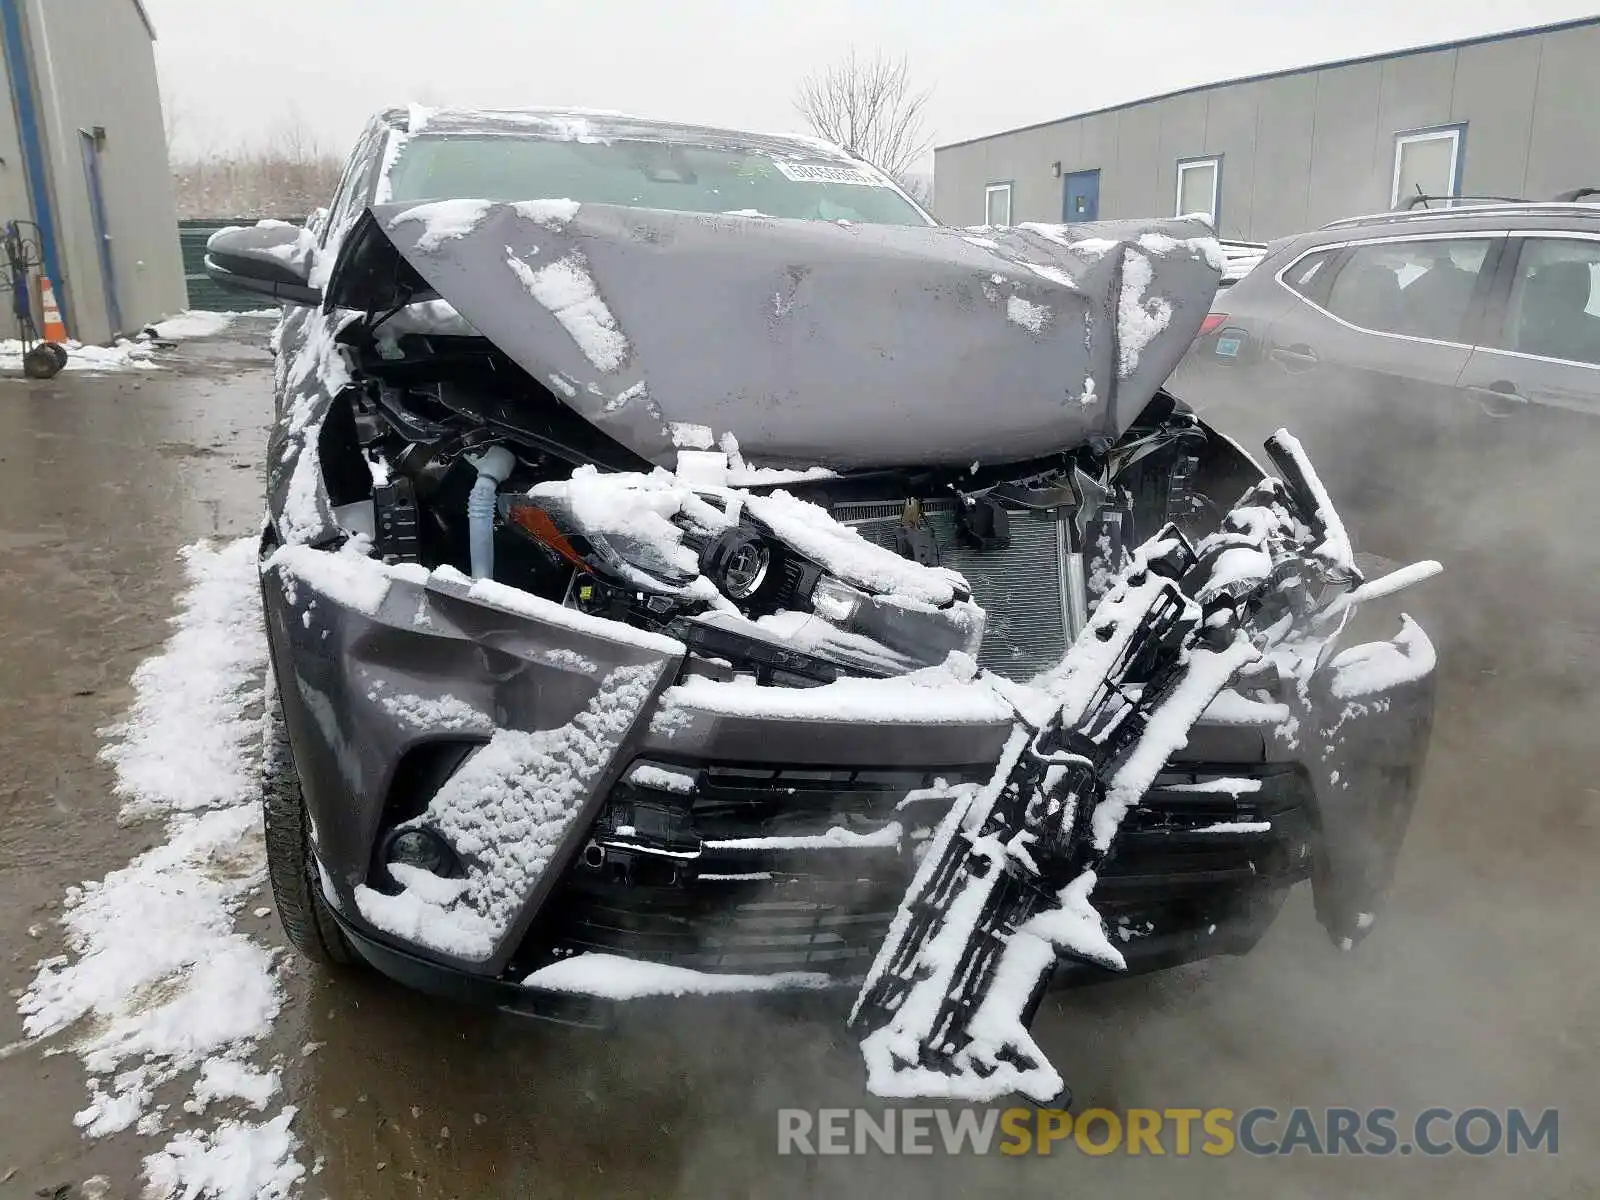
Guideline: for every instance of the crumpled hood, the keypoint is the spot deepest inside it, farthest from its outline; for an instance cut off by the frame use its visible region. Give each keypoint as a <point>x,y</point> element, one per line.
<point>812,342</point>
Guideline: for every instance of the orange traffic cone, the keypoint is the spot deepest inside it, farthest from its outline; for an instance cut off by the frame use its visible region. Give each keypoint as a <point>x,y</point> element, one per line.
<point>54,329</point>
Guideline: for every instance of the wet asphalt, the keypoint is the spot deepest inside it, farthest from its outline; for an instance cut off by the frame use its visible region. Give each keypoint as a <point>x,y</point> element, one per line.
<point>1482,988</point>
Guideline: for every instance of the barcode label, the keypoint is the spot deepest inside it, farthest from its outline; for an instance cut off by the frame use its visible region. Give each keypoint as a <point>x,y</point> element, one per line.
<point>803,172</point>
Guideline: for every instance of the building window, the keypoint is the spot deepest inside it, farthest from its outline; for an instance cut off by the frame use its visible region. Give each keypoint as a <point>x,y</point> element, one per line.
<point>1199,187</point>
<point>997,204</point>
<point>1427,163</point>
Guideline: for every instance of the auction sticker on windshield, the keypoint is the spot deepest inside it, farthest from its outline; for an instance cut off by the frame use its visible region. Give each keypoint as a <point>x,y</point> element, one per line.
<point>803,172</point>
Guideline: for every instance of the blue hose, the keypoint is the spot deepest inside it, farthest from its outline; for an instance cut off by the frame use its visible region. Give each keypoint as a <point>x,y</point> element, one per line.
<point>493,465</point>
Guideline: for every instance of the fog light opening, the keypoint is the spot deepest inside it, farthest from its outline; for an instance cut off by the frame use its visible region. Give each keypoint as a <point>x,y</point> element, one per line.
<point>594,856</point>
<point>422,848</point>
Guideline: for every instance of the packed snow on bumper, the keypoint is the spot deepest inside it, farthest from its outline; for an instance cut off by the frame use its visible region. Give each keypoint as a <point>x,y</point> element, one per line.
<point>158,990</point>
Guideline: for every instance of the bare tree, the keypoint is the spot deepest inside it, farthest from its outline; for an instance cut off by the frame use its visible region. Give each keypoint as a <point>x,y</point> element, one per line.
<point>868,106</point>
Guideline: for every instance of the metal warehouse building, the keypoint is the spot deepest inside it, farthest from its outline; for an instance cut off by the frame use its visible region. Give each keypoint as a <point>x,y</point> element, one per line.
<point>83,155</point>
<point>1512,115</point>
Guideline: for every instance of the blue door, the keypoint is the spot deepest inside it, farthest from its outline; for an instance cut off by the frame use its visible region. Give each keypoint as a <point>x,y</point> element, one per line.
<point>1080,196</point>
<point>102,231</point>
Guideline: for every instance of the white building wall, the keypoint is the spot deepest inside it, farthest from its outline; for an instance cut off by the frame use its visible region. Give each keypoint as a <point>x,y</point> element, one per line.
<point>94,67</point>
<point>1303,148</point>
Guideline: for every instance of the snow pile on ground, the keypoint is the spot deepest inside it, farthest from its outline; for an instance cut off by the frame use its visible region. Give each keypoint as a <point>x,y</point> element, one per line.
<point>136,354</point>
<point>159,985</point>
<point>123,356</point>
<point>196,323</point>
<point>187,743</point>
<point>239,1161</point>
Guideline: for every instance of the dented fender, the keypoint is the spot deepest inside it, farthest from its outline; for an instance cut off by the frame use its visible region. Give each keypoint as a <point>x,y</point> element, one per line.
<point>374,662</point>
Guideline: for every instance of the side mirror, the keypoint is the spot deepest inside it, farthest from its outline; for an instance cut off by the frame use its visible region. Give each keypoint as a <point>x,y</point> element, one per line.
<point>272,260</point>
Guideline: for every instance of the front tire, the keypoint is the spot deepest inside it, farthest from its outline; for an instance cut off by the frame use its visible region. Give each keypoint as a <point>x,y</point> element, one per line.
<point>304,914</point>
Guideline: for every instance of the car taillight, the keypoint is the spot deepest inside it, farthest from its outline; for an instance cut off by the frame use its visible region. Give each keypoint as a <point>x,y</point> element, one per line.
<point>1212,323</point>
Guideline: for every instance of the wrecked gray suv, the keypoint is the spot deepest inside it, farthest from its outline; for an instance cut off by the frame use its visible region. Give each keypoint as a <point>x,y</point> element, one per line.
<point>663,526</point>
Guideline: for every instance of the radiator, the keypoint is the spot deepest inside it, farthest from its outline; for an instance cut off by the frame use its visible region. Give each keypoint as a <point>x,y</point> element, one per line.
<point>1032,591</point>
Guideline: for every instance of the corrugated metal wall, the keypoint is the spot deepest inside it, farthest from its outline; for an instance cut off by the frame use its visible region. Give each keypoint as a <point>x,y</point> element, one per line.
<point>1302,149</point>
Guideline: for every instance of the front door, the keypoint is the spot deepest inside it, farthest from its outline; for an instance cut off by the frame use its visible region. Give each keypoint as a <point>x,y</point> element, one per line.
<point>102,231</point>
<point>1080,196</point>
<point>1531,394</point>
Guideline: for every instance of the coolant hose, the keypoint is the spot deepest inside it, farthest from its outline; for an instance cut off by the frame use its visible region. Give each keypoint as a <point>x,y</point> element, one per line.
<point>494,466</point>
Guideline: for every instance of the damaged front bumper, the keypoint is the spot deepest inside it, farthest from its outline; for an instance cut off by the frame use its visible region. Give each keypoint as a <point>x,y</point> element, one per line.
<point>606,805</point>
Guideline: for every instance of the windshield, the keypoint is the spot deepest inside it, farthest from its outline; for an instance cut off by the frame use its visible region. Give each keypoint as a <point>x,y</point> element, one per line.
<point>679,176</point>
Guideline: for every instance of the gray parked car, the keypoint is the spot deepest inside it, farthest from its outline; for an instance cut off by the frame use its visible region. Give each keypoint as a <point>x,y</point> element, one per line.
<point>523,722</point>
<point>1442,366</point>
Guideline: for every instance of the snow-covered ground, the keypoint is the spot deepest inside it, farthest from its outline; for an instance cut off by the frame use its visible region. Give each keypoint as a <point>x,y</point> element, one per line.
<point>198,323</point>
<point>135,354</point>
<point>124,355</point>
<point>160,991</point>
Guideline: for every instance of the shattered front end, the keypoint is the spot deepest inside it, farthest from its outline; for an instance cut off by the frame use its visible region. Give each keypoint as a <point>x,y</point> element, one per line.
<point>1008,884</point>
<point>537,802</point>
<point>590,698</point>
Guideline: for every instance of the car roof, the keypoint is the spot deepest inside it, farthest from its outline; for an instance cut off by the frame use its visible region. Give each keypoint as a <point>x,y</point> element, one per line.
<point>583,124</point>
<point>1468,218</point>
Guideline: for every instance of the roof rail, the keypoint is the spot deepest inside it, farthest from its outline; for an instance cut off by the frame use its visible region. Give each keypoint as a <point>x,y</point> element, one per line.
<point>1533,208</point>
<point>1575,194</point>
<point>1450,201</point>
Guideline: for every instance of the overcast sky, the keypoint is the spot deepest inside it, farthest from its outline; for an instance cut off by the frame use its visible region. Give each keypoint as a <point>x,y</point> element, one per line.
<point>236,73</point>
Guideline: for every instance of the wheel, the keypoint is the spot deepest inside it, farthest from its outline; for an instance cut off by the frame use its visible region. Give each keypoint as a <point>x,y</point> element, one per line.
<point>302,911</point>
<point>44,361</point>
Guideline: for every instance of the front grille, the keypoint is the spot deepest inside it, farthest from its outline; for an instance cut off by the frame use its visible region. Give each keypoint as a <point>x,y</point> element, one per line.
<point>1021,588</point>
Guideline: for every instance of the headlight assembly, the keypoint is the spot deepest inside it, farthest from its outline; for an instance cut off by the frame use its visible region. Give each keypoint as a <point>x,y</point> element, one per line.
<point>706,552</point>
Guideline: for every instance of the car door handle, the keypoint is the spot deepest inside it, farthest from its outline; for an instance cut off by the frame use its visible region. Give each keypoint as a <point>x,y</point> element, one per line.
<point>1299,357</point>
<point>1498,399</point>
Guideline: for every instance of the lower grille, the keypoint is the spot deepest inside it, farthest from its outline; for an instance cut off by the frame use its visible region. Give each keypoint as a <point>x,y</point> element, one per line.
<point>777,924</point>
<point>1022,588</point>
<point>730,876</point>
<point>1181,842</point>
<point>725,872</point>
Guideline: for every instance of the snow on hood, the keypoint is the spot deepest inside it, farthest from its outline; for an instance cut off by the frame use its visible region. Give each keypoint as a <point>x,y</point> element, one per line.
<point>814,343</point>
